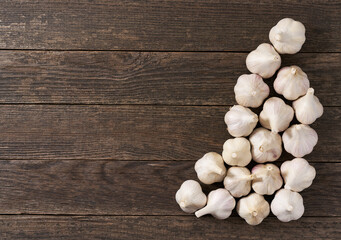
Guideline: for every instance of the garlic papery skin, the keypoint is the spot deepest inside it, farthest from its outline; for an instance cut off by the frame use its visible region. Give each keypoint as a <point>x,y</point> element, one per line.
<point>251,90</point>
<point>190,196</point>
<point>238,181</point>
<point>308,108</point>
<point>220,204</point>
<point>287,36</point>
<point>266,145</point>
<point>291,82</point>
<point>237,152</point>
<point>253,208</point>
<point>240,121</point>
<point>264,60</point>
<point>210,168</point>
<point>287,205</point>
<point>266,179</point>
<point>276,115</point>
<point>299,140</point>
<point>298,174</point>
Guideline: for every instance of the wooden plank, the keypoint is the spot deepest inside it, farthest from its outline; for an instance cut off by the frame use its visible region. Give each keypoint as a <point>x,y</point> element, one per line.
<point>132,132</point>
<point>145,78</point>
<point>126,187</point>
<point>166,227</point>
<point>168,25</point>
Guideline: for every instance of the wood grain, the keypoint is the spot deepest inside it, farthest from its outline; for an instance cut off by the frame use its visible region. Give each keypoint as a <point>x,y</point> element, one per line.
<point>151,227</point>
<point>168,25</point>
<point>132,132</point>
<point>126,187</point>
<point>145,78</point>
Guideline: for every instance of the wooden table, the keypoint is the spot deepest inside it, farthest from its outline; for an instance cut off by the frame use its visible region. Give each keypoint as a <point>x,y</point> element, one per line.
<point>106,105</point>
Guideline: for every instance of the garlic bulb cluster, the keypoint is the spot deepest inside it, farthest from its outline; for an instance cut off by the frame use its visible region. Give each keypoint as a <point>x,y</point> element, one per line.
<point>210,168</point>
<point>264,61</point>
<point>190,196</point>
<point>276,115</point>
<point>308,108</point>
<point>287,36</point>
<point>299,140</point>
<point>262,144</point>
<point>240,121</point>
<point>251,90</point>
<point>238,181</point>
<point>237,152</point>
<point>291,82</point>
<point>266,179</point>
<point>298,174</point>
<point>287,205</point>
<point>253,208</point>
<point>220,204</point>
<point>266,145</point>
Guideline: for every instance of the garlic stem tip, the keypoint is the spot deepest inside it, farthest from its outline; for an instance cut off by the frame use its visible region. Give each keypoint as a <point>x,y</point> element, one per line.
<point>253,93</point>
<point>261,148</point>
<point>311,91</point>
<point>269,168</point>
<point>290,208</point>
<point>234,155</point>
<point>298,127</point>
<point>293,70</point>
<point>254,213</point>
<point>183,204</point>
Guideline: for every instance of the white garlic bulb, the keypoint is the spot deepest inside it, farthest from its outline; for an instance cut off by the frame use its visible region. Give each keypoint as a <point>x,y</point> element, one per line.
<point>287,36</point>
<point>264,60</point>
<point>276,115</point>
<point>237,152</point>
<point>240,121</point>
<point>299,140</point>
<point>238,181</point>
<point>190,196</point>
<point>253,208</point>
<point>287,205</point>
<point>210,168</point>
<point>251,90</point>
<point>220,204</point>
<point>291,82</point>
<point>298,174</point>
<point>308,108</point>
<point>266,179</point>
<point>266,145</point>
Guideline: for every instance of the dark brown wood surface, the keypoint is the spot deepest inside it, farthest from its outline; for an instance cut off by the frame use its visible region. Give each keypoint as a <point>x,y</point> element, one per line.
<point>106,105</point>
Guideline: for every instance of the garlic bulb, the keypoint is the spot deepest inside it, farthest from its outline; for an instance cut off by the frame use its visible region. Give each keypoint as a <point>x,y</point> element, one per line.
<point>299,140</point>
<point>190,196</point>
<point>297,174</point>
<point>287,36</point>
<point>210,168</point>
<point>264,60</point>
<point>220,204</point>
<point>308,108</point>
<point>237,152</point>
<point>266,179</point>
<point>276,115</point>
<point>266,145</point>
<point>251,90</point>
<point>291,82</point>
<point>238,181</point>
<point>240,121</point>
<point>287,205</point>
<point>253,208</point>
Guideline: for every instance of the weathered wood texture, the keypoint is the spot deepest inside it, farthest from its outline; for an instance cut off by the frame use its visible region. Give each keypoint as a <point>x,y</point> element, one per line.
<point>162,25</point>
<point>151,227</point>
<point>132,132</point>
<point>126,187</point>
<point>145,78</point>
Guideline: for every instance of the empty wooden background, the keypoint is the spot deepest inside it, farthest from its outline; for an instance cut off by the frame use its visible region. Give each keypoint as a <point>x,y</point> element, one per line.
<point>106,105</point>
